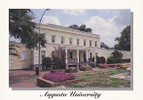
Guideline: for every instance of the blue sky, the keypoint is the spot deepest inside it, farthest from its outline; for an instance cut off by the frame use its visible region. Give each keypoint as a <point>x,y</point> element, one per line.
<point>107,23</point>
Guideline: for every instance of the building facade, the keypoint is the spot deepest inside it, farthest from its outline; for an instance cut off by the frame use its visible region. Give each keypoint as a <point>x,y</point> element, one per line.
<point>78,46</point>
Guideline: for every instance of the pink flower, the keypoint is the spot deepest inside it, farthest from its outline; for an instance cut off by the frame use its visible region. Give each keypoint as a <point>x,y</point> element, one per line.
<point>58,76</point>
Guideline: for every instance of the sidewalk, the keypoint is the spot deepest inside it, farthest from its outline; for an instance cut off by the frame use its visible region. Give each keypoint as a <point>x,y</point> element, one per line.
<point>22,79</point>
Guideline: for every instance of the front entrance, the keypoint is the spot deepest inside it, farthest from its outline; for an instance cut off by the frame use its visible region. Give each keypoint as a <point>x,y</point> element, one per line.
<point>73,56</point>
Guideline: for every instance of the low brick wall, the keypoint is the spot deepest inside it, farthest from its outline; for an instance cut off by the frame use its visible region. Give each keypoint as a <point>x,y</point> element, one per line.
<point>45,83</point>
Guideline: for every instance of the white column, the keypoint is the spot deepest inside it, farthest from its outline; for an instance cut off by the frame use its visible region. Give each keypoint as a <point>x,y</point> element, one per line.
<point>86,55</point>
<point>95,58</point>
<point>35,58</point>
<point>77,54</point>
<point>66,58</point>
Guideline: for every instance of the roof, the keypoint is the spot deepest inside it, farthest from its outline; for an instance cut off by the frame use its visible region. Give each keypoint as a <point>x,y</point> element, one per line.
<point>67,29</point>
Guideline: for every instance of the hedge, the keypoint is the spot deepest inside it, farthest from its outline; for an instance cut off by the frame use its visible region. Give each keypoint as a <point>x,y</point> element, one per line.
<point>112,60</point>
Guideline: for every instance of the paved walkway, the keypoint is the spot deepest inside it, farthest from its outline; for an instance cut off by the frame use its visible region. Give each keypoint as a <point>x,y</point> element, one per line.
<point>22,79</point>
<point>124,76</point>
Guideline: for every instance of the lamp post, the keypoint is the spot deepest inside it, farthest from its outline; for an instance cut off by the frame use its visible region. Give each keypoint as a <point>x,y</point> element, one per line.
<point>39,60</point>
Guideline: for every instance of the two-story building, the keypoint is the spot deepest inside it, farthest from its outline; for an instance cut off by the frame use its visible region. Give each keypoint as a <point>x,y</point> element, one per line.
<point>79,46</point>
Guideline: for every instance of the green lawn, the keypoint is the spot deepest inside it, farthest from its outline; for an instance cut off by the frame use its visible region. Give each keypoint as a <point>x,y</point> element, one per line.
<point>100,80</point>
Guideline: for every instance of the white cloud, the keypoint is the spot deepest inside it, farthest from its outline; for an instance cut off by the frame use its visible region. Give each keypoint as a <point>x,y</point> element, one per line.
<point>51,20</point>
<point>107,29</point>
<point>74,12</point>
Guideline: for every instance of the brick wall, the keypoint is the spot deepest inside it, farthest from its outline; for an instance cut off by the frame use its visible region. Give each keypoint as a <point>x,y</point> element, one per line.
<point>21,61</point>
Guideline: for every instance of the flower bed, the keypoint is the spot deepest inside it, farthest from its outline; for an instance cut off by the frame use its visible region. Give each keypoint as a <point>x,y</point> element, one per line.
<point>125,66</point>
<point>58,76</point>
<point>85,68</point>
<point>108,65</point>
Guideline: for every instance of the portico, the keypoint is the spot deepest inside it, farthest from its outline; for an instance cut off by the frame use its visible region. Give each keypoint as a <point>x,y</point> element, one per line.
<point>77,56</point>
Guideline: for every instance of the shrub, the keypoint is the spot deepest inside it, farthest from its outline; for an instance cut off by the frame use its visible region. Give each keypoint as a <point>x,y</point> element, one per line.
<point>111,60</point>
<point>92,64</point>
<point>115,58</point>
<point>58,76</point>
<point>117,54</point>
<point>91,59</point>
<point>85,68</point>
<point>46,63</point>
<point>59,63</point>
<point>104,65</point>
<point>108,65</point>
<point>71,70</point>
<point>125,60</point>
<point>100,60</point>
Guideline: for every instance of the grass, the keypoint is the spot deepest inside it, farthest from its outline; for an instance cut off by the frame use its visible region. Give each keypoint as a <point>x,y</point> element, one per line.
<point>74,84</point>
<point>86,77</point>
<point>100,79</point>
<point>118,71</point>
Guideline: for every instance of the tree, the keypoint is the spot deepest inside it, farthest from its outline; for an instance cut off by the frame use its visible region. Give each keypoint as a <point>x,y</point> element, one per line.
<point>82,27</point>
<point>88,30</point>
<point>22,27</point>
<point>100,60</point>
<point>124,40</point>
<point>117,54</point>
<point>74,26</point>
<point>103,45</point>
<point>116,57</point>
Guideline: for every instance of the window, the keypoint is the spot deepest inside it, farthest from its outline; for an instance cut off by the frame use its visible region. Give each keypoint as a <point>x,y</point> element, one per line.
<point>90,55</point>
<point>62,40</point>
<point>53,39</point>
<point>84,42</point>
<point>43,54</point>
<point>53,54</point>
<point>10,61</point>
<point>95,43</point>
<point>77,41</point>
<point>24,55</point>
<point>90,43</point>
<point>70,55</point>
<point>70,40</point>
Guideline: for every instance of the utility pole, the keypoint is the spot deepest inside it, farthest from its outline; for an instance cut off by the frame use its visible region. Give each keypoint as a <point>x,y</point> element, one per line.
<point>39,60</point>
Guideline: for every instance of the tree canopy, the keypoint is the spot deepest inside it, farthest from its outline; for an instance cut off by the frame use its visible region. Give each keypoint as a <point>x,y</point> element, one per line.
<point>124,40</point>
<point>22,27</point>
<point>82,27</point>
